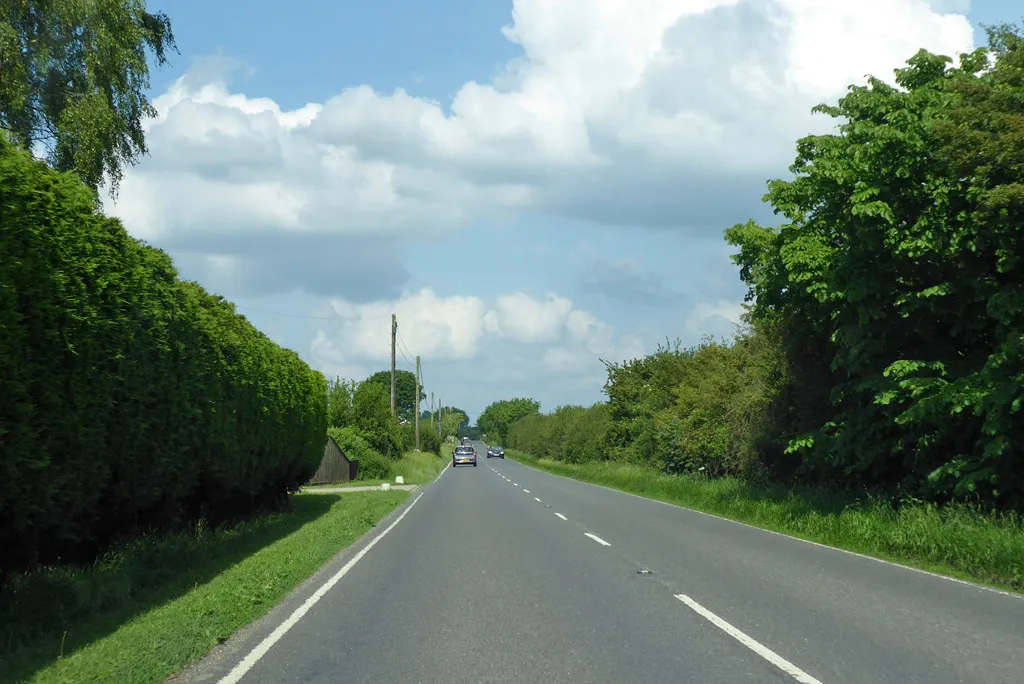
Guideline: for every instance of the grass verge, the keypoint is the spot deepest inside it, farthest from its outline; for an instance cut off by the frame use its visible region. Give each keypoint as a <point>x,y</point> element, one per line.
<point>417,467</point>
<point>150,608</point>
<point>953,540</point>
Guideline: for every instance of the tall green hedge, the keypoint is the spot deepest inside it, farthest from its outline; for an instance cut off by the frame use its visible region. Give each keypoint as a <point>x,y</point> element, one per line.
<point>129,399</point>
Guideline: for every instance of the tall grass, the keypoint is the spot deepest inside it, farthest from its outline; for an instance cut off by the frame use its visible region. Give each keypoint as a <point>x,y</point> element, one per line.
<point>957,540</point>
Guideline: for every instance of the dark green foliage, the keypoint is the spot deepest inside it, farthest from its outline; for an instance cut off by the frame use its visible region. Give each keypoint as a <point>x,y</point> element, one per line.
<point>371,413</point>
<point>339,402</point>
<point>372,464</point>
<point>884,346</point>
<point>73,79</point>
<point>499,416</point>
<point>453,421</point>
<point>572,434</point>
<point>129,400</point>
<point>405,390</point>
<point>704,409</point>
<point>430,441</point>
<point>359,414</point>
<point>471,432</point>
<point>898,275</point>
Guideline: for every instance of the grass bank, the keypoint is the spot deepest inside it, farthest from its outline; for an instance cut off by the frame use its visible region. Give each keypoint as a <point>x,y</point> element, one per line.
<point>953,540</point>
<point>151,607</point>
<point>416,467</point>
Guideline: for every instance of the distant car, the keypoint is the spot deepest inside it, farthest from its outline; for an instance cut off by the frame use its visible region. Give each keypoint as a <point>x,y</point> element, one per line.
<point>495,452</point>
<point>464,455</point>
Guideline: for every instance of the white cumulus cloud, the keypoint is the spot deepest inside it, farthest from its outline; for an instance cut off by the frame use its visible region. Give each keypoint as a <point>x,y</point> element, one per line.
<point>651,113</point>
<point>656,112</point>
<point>459,328</point>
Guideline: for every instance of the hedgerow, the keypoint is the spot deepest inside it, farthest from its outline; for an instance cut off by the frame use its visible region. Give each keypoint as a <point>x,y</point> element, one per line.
<point>883,346</point>
<point>129,399</point>
<point>373,465</point>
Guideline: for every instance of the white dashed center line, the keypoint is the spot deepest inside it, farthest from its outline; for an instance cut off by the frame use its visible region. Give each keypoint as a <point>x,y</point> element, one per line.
<point>561,516</point>
<point>763,651</point>
<point>600,541</point>
<point>527,491</point>
<point>536,499</point>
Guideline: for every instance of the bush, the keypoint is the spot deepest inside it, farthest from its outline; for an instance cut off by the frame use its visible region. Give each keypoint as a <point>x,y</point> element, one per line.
<point>679,410</point>
<point>897,271</point>
<point>371,412</point>
<point>130,400</point>
<point>430,440</point>
<point>572,434</point>
<point>885,348</point>
<point>372,464</point>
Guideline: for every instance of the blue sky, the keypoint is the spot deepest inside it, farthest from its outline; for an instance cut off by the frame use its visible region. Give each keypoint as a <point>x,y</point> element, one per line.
<point>324,168</point>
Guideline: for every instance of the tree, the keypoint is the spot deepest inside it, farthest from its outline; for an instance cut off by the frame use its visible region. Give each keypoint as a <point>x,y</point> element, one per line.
<point>901,258</point>
<point>499,416</point>
<point>405,390</point>
<point>371,414</point>
<point>451,420</point>
<point>73,77</point>
<point>339,402</point>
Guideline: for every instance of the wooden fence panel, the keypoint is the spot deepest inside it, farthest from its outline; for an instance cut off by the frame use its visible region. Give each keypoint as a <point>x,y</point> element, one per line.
<point>335,467</point>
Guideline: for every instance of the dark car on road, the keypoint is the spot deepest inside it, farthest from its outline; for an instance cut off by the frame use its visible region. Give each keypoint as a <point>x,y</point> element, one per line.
<point>495,452</point>
<point>464,455</point>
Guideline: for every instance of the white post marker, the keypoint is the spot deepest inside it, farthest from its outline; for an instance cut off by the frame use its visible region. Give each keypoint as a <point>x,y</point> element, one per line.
<point>763,651</point>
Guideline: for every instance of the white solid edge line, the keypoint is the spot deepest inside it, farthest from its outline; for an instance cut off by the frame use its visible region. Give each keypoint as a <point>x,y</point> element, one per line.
<point>758,648</point>
<point>894,564</point>
<point>600,541</point>
<point>261,649</point>
<point>561,516</point>
<point>536,499</point>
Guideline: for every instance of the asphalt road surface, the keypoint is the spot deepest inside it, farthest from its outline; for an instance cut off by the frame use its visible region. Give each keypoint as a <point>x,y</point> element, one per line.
<point>501,573</point>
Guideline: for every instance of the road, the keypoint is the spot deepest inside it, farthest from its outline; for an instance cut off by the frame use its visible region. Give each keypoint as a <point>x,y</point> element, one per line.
<point>502,573</point>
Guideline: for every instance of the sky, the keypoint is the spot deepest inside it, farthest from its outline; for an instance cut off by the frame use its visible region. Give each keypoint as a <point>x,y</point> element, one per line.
<point>531,186</point>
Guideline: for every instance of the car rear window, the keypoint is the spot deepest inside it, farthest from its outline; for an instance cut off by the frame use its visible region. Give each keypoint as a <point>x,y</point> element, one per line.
<point>463,450</point>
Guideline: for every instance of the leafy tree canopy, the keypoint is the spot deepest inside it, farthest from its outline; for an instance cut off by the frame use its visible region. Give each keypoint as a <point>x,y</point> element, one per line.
<point>405,390</point>
<point>73,77</point>
<point>901,256</point>
<point>499,416</point>
<point>339,402</point>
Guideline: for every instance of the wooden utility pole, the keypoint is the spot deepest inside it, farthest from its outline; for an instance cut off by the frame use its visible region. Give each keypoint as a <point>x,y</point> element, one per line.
<point>417,403</point>
<point>394,335</point>
<point>431,408</point>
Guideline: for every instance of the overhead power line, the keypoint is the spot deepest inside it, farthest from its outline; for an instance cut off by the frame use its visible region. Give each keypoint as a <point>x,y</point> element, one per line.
<point>314,318</point>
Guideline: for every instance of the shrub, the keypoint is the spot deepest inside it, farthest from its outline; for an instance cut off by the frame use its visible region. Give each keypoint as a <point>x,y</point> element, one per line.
<point>129,400</point>
<point>372,464</point>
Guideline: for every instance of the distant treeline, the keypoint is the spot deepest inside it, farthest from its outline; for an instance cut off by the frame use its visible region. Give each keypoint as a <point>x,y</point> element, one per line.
<point>884,344</point>
<point>130,400</point>
<point>360,421</point>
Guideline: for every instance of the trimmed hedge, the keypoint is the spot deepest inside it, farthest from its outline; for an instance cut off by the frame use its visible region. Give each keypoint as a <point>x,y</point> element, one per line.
<point>129,399</point>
